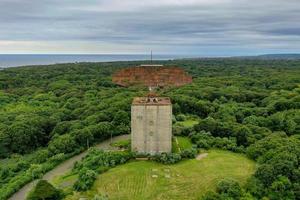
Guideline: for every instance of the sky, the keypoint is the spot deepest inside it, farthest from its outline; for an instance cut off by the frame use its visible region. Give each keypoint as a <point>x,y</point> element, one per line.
<point>187,27</point>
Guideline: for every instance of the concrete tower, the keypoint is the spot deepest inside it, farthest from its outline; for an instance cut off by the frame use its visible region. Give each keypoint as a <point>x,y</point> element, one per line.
<point>151,125</point>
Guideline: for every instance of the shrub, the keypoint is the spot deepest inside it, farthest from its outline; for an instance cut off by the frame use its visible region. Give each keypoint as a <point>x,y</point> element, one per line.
<point>189,153</point>
<point>167,158</point>
<point>206,140</point>
<point>227,189</point>
<point>62,144</point>
<point>100,197</point>
<point>123,144</point>
<point>85,180</point>
<point>35,170</point>
<point>98,158</point>
<point>96,162</point>
<point>180,117</point>
<point>43,191</point>
<point>230,188</point>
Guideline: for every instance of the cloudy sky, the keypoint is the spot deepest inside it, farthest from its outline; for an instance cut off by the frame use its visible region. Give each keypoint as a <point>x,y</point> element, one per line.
<point>197,27</point>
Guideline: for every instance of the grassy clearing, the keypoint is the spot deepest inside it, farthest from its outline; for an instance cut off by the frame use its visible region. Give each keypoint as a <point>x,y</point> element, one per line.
<point>188,179</point>
<point>123,144</point>
<point>184,143</point>
<point>188,123</point>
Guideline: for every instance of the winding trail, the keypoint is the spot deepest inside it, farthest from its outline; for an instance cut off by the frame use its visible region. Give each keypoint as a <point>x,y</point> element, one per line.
<point>65,167</point>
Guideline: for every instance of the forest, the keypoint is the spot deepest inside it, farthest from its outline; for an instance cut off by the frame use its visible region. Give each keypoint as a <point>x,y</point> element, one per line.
<point>50,113</point>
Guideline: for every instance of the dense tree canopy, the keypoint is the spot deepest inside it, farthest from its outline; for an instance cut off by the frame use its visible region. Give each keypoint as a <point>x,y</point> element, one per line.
<point>251,106</point>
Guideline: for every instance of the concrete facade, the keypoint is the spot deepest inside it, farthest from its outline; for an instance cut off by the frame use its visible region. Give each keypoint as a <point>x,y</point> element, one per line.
<point>151,125</point>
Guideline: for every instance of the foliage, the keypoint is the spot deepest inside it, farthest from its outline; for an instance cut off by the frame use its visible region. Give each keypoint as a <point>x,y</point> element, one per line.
<point>206,141</point>
<point>167,158</point>
<point>44,191</point>
<point>183,143</point>
<point>100,197</point>
<point>96,161</point>
<point>277,176</point>
<point>123,144</point>
<point>188,179</point>
<point>64,108</point>
<point>226,189</point>
<point>189,153</point>
<point>85,180</point>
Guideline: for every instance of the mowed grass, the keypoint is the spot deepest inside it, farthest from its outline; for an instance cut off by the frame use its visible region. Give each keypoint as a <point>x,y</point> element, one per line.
<point>189,179</point>
<point>183,143</point>
<point>188,123</point>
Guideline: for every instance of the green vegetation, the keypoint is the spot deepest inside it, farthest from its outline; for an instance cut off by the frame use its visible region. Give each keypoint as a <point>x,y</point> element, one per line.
<point>96,161</point>
<point>188,123</point>
<point>124,144</point>
<point>44,190</point>
<point>49,113</point>
<point>183,143</point>
<point>187,179</point>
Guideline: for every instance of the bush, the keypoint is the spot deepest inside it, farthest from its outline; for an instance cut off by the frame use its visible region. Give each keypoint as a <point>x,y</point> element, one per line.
<point>123,144</point>
<point>227,189</point>
<point>189,153</point>
<point>97,158</point>
<point>44,191</point>
<point>180,117</point>
<point>206,141</point>
<point>96,162</point>
<point>85,180</point>
<point>230,188</point>
<point>167,158</point>
<point>63,144</point>
<point>35,170</point>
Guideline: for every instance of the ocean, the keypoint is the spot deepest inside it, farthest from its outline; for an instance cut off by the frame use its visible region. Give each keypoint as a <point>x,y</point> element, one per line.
<point>14,60</point>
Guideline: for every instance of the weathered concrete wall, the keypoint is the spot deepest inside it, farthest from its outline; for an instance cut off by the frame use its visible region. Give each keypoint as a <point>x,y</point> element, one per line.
<point>151,128</point>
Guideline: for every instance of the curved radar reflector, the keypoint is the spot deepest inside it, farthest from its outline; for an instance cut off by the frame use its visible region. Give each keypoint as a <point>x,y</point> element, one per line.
<point>151,76</point>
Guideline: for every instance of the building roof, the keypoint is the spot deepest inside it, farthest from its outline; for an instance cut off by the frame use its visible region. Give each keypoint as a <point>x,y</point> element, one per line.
<point>151,101</point>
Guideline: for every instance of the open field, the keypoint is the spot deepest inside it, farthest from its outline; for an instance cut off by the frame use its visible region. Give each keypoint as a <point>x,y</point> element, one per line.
<point>183,143</point>
<point>188,122</point>
<point>188,179</point>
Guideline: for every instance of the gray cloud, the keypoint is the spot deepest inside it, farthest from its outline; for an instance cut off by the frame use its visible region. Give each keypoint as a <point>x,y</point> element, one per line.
<point>203,27</point>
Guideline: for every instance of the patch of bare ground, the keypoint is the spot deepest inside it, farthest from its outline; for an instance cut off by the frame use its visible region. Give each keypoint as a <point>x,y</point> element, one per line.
<point>202,155</point>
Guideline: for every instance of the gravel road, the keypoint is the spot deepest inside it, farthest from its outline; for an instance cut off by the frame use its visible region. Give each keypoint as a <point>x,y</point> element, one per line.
<point>65,167</point>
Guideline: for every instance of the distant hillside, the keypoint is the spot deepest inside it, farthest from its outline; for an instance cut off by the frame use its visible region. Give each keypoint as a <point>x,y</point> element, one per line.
<point>274,57</point>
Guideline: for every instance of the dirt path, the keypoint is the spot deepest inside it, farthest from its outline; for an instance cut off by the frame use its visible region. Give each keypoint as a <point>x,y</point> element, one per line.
<point>64,167</point>
<point>202,155</point>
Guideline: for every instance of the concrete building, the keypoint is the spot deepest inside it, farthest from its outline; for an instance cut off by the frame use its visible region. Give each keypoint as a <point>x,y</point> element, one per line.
<point>151,125</point>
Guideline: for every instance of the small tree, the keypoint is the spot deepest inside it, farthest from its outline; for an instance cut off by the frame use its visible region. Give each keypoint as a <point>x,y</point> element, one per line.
<point>229,188</point>
<point>85,180</point>
<point>44,191</point>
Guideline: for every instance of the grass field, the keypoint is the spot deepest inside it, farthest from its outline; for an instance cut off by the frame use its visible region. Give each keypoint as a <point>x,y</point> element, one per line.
<point>188,123</point>
<point>184,143</point>
<point>188,179</point>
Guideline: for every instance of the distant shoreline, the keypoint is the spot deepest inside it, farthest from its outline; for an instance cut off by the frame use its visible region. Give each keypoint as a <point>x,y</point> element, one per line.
<point>23,60</point>
<point>20,60</point>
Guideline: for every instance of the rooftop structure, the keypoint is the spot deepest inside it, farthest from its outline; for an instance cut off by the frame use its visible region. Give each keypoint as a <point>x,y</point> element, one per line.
<point>152,76</point>
<point>151,101</point>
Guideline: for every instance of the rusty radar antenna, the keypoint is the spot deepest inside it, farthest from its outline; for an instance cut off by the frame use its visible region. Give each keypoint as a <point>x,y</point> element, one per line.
<point>152,76</point>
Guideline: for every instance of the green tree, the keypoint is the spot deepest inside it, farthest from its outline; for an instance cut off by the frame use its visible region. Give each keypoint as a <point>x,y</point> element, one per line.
<point>44,191</point>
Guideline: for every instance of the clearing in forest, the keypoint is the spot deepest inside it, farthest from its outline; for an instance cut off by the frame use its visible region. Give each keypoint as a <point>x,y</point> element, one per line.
<point>189,179</point>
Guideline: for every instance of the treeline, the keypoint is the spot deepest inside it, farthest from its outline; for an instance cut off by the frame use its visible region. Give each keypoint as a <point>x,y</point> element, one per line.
<point>54,113</point>
<point>59,110</point>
